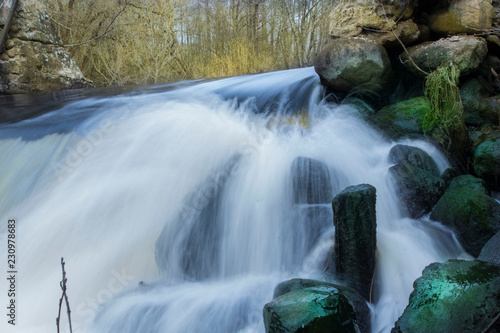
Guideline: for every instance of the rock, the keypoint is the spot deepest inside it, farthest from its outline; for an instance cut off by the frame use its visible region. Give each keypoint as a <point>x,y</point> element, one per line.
<point>355,236</point>
<point>491,251</point>
<point>345,64</point>
<point>403,119</point>
<point>415,156</point>
<point>403,8</point>
<point>418,189</point>
<point>448,175</point>
<point>472,214</point>
<point>359,304</point>
<point>37,62</point>
<point>471,93</point>
<point>311,181</point>
<point>455,296</point>
<point>487,159</point>
<point>466,52</point>
<point>463,16</point>
<point>470,182</point>
<point>315,306</point>
<point>369,20</point>
<point>489,109</point>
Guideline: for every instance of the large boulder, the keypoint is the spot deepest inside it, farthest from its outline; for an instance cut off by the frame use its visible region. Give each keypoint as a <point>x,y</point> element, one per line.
<point>403,119</point>
<point>487,159</point>
<point>466,52</point>
<point>313,306</point>
<point>35,59</point>
<point>371,21</point>
<point>311,181</point>
<point>347,63</point>
<point>491,250</point>
<point>463,16</point>
<point>472,92</point>
<point>489,109</point>
<point>455,296</point>
<point>416,178</point>
<point>470,212</point>
<point>355,236</point>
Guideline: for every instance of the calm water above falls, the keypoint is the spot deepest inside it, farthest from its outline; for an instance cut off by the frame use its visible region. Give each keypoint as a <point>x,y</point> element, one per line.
<point>175,208</point>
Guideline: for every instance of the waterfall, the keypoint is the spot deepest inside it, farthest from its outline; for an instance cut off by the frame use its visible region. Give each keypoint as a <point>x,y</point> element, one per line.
<point>176,209</point>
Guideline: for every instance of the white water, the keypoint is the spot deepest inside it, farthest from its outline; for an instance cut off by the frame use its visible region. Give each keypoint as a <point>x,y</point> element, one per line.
<point>134,175</point>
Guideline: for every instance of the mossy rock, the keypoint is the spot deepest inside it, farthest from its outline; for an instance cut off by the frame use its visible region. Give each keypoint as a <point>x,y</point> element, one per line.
<point>319,307</point>
<point>450,297</point>
<point>415,156</point>
<point>487,159</point>
<point>470,182</point>
<point>472,214</point>
<point>403,119</point>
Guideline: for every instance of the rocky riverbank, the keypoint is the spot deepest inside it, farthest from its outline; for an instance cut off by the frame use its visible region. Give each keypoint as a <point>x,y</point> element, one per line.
<point>433,69</point>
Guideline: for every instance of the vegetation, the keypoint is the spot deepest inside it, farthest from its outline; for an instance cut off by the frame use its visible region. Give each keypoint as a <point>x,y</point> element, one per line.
<point>118,42</point>
<point>444,120</point>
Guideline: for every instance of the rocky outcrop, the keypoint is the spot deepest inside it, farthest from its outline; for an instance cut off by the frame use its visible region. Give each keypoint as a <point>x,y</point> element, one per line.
<point>355,236</point>
<point>403,119</point>
<point>487,159</point>
<point>313,306</point>
<point>466,52</point>
<point>455,296</point>
<point>347,63</point>
<point>416,178</point>
<point>467,208</point>
<point>35,59</point>
<point>463,16</point>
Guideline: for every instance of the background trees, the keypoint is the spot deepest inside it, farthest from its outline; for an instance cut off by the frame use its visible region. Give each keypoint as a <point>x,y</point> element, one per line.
<point>149,41</point>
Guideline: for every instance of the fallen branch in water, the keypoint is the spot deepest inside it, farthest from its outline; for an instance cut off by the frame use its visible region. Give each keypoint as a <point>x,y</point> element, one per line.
<point>65,296</point>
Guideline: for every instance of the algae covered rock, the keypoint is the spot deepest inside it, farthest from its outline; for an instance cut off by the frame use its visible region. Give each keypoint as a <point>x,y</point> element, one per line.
<point>466,52</point>
<point>314,306</point>
<point>487,159</point>
<point>347,63</point>
<point>403,119</point>
<point>355,236</point>
<point>470,212</point>
<point>455,296</point>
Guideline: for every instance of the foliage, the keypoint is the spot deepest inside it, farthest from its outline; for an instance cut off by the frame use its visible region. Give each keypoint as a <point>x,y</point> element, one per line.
<point>118,42</point>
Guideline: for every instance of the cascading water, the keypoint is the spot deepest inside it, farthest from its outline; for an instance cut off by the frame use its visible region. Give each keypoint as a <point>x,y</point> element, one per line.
<point>180,210</point>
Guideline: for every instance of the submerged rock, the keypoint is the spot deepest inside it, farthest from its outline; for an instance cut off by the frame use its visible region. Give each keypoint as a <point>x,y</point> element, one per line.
<point>466,52</point>
<point>487,159</point>
<point>463,16</point>
<point>403,119</point>
<point>455,296</point>
<point>355,236</point>
<point>301,305</point>
<point>416,177</point>
<point>491,251</point>
<point>470,212</point>
<point>347,63</point>
<point>311,181</point>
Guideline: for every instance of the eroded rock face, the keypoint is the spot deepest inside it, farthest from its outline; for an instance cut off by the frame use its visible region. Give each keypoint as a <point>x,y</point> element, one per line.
<point>347,63</point>
<point>463,16</point>
<point>455,296</point>
<point>466,52</point>
<point>35,59</point>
